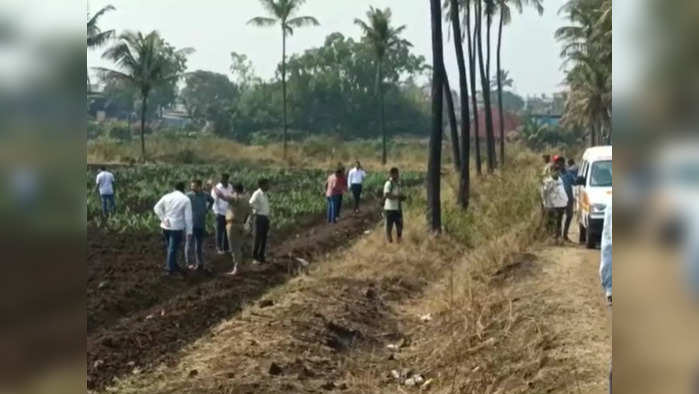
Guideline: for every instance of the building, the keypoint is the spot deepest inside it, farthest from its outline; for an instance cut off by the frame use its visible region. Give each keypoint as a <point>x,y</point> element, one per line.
<point>511,123</point>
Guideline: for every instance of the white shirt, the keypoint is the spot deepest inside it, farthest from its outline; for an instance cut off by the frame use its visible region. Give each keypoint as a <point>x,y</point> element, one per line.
<point>175,212</point>
<point>259,203</point>
<point>391,204</point>
<point>220,205</point>
<point>356,176</point>
<point>105,182</point>
<point>554,194</point>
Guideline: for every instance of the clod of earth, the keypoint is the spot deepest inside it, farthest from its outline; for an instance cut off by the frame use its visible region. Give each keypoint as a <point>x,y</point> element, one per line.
<point>395,374</point>
<point>275,369</point>
<point>266,303</point>
<point>193,373</point>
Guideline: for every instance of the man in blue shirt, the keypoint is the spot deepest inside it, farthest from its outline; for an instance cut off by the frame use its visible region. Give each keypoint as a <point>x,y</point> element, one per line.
<point>568,182</point>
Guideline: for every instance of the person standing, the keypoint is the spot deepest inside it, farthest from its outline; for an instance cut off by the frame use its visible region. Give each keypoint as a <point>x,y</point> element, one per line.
<point>605,267</point>
<point>573,168</point>
<point>238,213</point>
<point>105,188</point>
<point>221,194</point>
<point>555,201</point>
<point>568,182</point>
<point>355,178</point>
<point>201,202</point>
<point>331,189</point>
<point>175,213</point>
<point>547,165</point>
<point>259,203</point>
<point>393,208</point>
<point>340,189</point>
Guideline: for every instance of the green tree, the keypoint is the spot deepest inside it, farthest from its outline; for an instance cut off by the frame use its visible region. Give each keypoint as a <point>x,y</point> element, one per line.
<point>95,36</point>
<point>144,62</point>
<point>209,96</point>
<point>382,38</point>
<point>243,71</point>
<point>283,12</point>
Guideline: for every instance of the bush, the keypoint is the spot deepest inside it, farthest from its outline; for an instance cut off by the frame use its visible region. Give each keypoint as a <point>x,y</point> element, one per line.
<point>120,132</point>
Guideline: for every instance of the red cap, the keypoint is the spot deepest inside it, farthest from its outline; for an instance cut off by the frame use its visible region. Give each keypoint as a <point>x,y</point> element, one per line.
<point>555,158</point>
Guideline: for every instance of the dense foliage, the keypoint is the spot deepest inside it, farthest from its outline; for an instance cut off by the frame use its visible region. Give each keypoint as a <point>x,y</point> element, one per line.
<point>295,195</point>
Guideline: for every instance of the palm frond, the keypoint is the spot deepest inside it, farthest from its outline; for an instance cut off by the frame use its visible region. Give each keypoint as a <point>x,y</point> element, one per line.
<point>303,21</point>
<point>262,21</point>
<point>92,22</point>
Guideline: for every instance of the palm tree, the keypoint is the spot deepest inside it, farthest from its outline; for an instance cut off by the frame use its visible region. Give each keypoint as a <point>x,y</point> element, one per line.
<point>283,12</point>
<point>464,179</point>
<point>472,73</point>
<point>485,85</point>
<point>95,36</point>
<point>451,113</point>
<point>382,38</point>
<point>434,214</point>
<point>144,64</point>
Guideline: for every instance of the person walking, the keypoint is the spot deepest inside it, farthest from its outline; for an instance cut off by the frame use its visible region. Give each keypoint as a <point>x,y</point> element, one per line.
<point>201,202</point>
<point>331,195</point>
<point>340,189</point>
<point>237,215</point>
<point>355,178</point>
<point>393,209</point>
<point>105,188</point>
<point>221,194</point>
<point>568,180</point>
<point>554,200</point>
<point>259,203</point>
<point>175,213</point>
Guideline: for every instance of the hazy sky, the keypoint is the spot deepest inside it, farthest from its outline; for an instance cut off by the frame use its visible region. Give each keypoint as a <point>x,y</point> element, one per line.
<point>217,27</point>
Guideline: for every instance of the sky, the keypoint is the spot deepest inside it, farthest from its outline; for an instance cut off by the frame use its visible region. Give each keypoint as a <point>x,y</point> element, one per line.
<point>215,28</point>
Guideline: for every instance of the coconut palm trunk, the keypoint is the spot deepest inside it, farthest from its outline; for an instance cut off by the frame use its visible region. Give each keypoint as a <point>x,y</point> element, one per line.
<point>465,177</point>
<point>144,105</point>
<point>472,75</point>
<point>499,76</point>
<point>382,115</point>
<point>485,87</point>
<point>434,214</point>
<point>451,113</point>
<point>284,91</point>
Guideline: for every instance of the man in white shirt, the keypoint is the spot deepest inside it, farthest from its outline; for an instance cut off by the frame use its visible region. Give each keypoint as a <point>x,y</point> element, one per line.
<point>259,203</point>
<point>175,213</point>
<point>222,194</point>
<point>393,210</point>
<point>555,200</point>
<point>355,178</point>
<point>105,188</point>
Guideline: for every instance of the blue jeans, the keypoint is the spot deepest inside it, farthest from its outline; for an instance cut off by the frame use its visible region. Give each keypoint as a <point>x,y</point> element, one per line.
<point>198,241</point>
<point>332,209</point>
<point>173,239</point>
<point>108,205</point>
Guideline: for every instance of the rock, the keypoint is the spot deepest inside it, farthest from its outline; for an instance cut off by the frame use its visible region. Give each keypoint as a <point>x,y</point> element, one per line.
<point>103,284</point>
<point>162,312</point>
<point>97,364</point>
<point>395,374</point>
<point>131,363</point>
<point>392,356</point>
<point>136,371</point>
<point>370,293</point>
<point>304,263</point>
<point>410,382</point>
<point>275,369</point>
<point>418,379</point>
<point>367,232</point>
<point>149,317</point>
<point>193,373</point>
<point>426,318</point>
<point>406,373</point>
<point>266,303</point>
<point>391,346</point>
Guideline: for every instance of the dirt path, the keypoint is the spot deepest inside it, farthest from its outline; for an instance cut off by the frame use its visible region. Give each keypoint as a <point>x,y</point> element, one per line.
<point>140,319</point>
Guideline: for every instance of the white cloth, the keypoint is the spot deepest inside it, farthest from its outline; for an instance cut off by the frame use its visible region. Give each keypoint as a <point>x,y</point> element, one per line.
<point>391,204</point>
<point>259,203</point>
<point>175,212</point>
<point>553,193</point>
<point>220,206</point>
<point>356,176</point>
<point>105,182</point>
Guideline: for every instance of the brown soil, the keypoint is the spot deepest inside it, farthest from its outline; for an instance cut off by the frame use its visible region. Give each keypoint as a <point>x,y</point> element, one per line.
<point>138,318</point>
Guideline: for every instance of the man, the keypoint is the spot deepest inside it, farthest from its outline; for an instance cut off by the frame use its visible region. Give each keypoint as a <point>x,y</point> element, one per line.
<point>355,178</point>
<point>175,213</point>
<point>238,212</point>
<point>393,209</point>
<point>105,188</point>
<point>605,267</point>
<point>340,189</point>
<point>201,204</point>
<point>568,182</point>
<point>259,203</point>
<point>547,165</point>
<point>555,200</point>
<point>331,195</point>
<point>573,168</point>
<point>221,194</point>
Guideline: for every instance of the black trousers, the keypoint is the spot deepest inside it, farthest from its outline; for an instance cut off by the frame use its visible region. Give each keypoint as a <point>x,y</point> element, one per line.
<point>221,236</point>
<point>260,242</point>
<point>357,193</point>
<point>569,218</point>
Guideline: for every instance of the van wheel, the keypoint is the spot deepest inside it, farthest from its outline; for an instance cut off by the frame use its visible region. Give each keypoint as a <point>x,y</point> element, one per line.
<point>590,242</point>
<point>582,234</point>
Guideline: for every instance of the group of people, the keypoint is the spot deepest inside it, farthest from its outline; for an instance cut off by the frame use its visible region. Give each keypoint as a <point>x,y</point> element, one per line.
<point>236,215</point>
<point>557,197</point>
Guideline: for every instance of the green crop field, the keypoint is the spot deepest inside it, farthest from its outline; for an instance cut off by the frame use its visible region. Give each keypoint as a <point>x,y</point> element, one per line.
<point>295,195</point>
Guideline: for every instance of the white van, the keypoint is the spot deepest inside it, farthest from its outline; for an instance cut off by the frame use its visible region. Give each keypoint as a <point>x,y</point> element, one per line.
<point>593,192</point>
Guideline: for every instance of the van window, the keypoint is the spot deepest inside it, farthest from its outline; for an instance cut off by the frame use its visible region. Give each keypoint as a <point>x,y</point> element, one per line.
<point>601,174</point>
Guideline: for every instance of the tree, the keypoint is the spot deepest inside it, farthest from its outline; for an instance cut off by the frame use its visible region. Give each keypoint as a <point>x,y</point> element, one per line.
<point>95,36</point>
<point>464,178</point>
<point>434,214</point>
<point>208,96</point>
<point>382,38</point>
<point>451,114</point>
<point>472,73</point>
<point>283,13</point>
<point>484,66</point>
<point>502,78</point>
<point>145,62</point>
<point>243,71</point>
